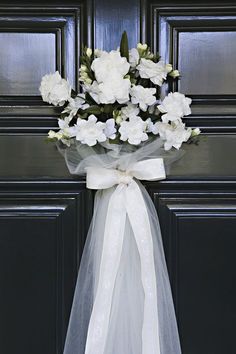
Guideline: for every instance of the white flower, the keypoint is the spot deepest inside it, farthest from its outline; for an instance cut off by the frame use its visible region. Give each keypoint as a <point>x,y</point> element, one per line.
<point>133,130</point>
<point>174,135</point>
<point>75,104</point>
<point>110,130</point>
<point>90,131</point>
<point>175,106</point>
<point>129,110</point>
<point>156,72</point>
<point>115,89</point>
<point>109,63</point>
<point>151,127</point>
<point>133,57</point>
<point>54,89</point>
<point>143,96</point>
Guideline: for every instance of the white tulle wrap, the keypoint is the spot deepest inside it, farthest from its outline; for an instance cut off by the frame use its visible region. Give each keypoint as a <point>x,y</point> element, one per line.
<point>122,302</point>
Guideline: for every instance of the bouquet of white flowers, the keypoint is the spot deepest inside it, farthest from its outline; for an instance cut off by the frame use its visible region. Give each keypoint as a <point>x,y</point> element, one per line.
<point>120,100</point>
<point>117,132</point>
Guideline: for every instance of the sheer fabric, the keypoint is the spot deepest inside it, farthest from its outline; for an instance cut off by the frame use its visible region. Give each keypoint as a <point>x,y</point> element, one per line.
<point>127,306</point>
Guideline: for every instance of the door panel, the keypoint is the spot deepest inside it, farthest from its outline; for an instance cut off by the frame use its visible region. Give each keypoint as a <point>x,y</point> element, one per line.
<point>199,39</point>
<point>41,241</point>
<point>200,242</point>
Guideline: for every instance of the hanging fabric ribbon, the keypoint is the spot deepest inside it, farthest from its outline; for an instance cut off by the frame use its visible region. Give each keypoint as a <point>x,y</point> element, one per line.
<point>122,301</point>
<point>126,201</point>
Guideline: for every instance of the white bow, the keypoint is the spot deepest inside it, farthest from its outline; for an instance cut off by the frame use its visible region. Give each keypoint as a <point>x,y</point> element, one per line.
<point>126,201</point>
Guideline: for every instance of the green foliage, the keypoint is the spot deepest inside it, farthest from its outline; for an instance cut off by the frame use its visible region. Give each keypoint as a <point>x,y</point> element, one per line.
<point>124,46</point>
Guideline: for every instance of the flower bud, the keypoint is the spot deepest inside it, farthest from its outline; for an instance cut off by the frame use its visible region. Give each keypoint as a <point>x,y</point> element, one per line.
<point>141,46</point>
<point>174,73</point>
<point>89,52</point>
<point>169,68</point>
<point>195,132</point>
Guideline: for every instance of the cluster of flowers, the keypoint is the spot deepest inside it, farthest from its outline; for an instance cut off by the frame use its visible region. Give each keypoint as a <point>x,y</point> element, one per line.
<point>119,102</point>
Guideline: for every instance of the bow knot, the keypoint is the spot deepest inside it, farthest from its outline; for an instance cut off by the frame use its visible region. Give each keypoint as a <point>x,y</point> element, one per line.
<point>124,177</point>
<point>102,178</point>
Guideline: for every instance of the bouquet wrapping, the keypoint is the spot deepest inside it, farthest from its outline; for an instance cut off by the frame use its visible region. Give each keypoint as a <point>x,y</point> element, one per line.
<point>122,302</point>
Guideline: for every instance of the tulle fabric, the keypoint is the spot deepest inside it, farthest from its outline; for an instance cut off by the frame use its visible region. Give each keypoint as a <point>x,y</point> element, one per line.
<point>125,323</point>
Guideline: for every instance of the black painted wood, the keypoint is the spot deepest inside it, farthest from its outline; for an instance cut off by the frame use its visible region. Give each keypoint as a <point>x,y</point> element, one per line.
<point>45,212</point>
<point>197,37</point>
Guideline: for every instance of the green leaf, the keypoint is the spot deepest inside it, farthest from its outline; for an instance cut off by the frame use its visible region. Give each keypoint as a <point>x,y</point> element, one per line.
<point>93,110</point>
<point>124,47</point>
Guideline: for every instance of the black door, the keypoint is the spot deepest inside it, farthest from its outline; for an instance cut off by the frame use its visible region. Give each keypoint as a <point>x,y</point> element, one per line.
<point>45,212</point>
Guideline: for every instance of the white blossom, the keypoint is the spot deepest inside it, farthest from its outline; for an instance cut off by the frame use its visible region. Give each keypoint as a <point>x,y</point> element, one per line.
<point>173,134</point>
<point>133,130</point>
<point>54,89</point>
<point>156,72</point>
<point>133,57</point>
<point>175,106</point>
<point>110,91</point>
<point>90,131</point>
<point>115,89</point>
<point>129,110</point>
<point>109,63</point>
<point>75,104</point>
<point>143,96</point>
<point>110,130</point>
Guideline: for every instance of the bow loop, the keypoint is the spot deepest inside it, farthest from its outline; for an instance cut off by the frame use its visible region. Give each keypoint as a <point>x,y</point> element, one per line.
<point>102,178</point>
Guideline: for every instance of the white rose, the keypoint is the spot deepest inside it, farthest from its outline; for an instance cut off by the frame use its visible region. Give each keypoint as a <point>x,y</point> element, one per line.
<point>129,110</point>
<point>175,106</point>
<point>133,57</point>
<point>143,96</point>
<point>75,104</point>
<point>156,72</point>
<point>54,89</point>
<point>109,63</point>
<point>133,130</point>
<point>90,131</point>
<point>173,135</point>
<point>110,130</point>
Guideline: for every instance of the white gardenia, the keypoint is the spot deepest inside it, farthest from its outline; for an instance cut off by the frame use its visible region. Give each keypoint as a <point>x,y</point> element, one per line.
<point>173,135</point>
<point>90,131</point>
<point>143,96</point>
<point>110,91</point>
<point>175,106</point>
<point>133,57</point>
<point>129,110</point>
<point>110,130</point>
<point>109,63</point>
<point>75,104</point>
<point>156,72</point>
<point>133,130</point>
<point>54,89</point>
